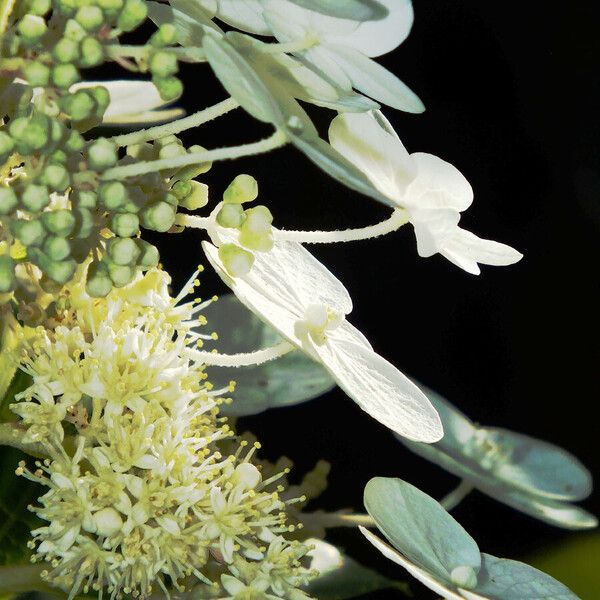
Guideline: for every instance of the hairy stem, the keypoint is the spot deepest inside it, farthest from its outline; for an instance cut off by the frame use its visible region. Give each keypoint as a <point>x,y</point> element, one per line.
<point>276,140</point>
<point>175,127</point>
<point>243,359</point>
<point>457,495</point>
<point>338,519</point>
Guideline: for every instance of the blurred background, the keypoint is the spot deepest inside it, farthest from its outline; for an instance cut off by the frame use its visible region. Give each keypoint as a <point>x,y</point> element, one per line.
<point>511,91</point>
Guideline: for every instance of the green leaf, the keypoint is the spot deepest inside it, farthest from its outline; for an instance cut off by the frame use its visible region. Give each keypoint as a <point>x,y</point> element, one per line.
<point>357,10</point>
<point>291,379</point>
<point>341,577</point>
<point>419,528</point>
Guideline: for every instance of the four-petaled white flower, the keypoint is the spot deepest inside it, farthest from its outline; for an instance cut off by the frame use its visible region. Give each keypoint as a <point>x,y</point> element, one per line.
<point>432,191</point>
<point>294,293</point>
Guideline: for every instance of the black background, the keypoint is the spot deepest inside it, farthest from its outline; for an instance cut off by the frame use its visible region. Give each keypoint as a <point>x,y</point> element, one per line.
<point>511,91</point>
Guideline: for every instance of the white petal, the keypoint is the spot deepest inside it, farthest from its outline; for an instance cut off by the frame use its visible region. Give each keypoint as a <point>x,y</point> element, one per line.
<point>465,250</point>
<point>380,389</point>
<point>439,184</point>
<point>361,139</point>
<point>232,585</point>
<point>376,81</point>
<point>433,228</point>
<point>418,573</point>
<point>243,14</point>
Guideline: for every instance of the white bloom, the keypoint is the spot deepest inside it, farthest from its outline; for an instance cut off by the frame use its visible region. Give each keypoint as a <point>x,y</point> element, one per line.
<point>432,191</point>
<point>294,293</point>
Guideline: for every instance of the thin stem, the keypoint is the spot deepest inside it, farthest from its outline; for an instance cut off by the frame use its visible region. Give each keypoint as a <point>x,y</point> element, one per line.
<point>195,120</point>
<point>11,434</point>
<point>397,219</point>
<point>244,359</point>
<point>338,519</point>
<point>193,221</point>
<point>276,140</point>
<point>457,495</point>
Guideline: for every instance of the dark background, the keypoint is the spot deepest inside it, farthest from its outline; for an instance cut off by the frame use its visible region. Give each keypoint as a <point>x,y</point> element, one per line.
<point>511,91</point>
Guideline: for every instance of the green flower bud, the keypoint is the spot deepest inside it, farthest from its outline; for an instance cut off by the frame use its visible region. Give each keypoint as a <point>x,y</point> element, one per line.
<point>56,248</point>
<point>163,64</point>
<point>169,88</point>
<point>59,222</point>
<point>78,106</point>
<point>31,134</point>
<point>236,260</point>
<point>37,74</point>
<point>120,275</point>
<point>30,233</point>
<point>112,194</point>
<point>6,146</point>
<point>141,152</point>
<point>66,50</point>
<point>98,282</point>
<point>170,199</point>
<point>59,156</point>
<point>244,188</point>
<point>39,7</point>
<point>91,52</point>
<point>110,7</point>
<point>35,197</point>
<point>8,281</point>
<point>56,177</point>
<point>31,28</point>
<point>102,155</point>
<point>74,31</point>
<point>75,142</point>
<point>68,7</point>
<point>64,76</point>
<point>133,14</point>
<point>172,151</point>
<point>84,198</point>
<point>158,217</point>
<point>84,223</point>
<point>8,200</point>
<point>149,256</point>
<point>91,18</point>
<point>256,232</point>
<point>182,189</point>
<point>125,224</point>
<point>197,198</point>
<point>60,271</point>
<point>123,251</point>
<point>164,36</point>
<point>57,132</point>
<point>101,96</point>
<point>231,215</point>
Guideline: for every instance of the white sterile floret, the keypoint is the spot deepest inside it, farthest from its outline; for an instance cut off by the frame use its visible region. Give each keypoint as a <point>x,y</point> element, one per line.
<point>294,293</point>
<point>432,191</point>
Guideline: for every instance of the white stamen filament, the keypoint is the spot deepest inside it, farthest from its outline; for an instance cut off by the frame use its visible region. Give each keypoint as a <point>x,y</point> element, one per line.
<point>244,359</point>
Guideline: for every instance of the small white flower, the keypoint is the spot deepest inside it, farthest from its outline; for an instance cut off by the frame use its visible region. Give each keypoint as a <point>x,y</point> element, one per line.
<point>294,293</point>
<point>432,191</point>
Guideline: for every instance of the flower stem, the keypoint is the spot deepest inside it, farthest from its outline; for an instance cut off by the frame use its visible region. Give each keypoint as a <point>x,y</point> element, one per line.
<point>457,495</point>
<point>276,140</point>
<point>338,519</point>
<point>244,359</point>
<point>195,120</point>
<point>193,221</point>
<point>11,434</point>
<point>397,219</point>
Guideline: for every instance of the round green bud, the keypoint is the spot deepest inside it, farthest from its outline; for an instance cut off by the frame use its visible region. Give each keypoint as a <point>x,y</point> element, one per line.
<point>78,106</point>
<point>32,28</point>
<point>142,152</point>
<point>57,132</point>
<point>123,251</point>
<point>125,224</point>
<point>164,36</point>
<point>66,50</point>
<point>149,256</point>
<point>8,200</point>
<point>197,198</point>
<point>120,275</point>
<point>31,134</point>
<point>59,222</point>
<point>84,198</point>
<point>68,7</point>
<point>59,156</point>
<point>35,197</point>
<point>244,188</point>
<point>98,282</point>
<point>102,155</point>
<point>158,217</point>
<point>37,74</point>
<point>182,189</point>
<point>172,151</point>
<point>56,248</point>
<point>91,18</point>
<point>60,271</point>
<point>74,142</point>
<point>163,64</point>
<point>132,15</point>
<point>236,260</point>
<point>110,7</point>
<point>91,52</point>
<point>64,76</point>
<point>56,177</point>
<point>74,31</point>
<point>169,88</point>
<point>84,223</point>
<point>102,98</point>
<point>6,144</point>
<point>39,7</point>
<point>112,194</point>
<point>8,280</point>
<point>256,232</point>
<point>231,215</point>
<point>30,233</point>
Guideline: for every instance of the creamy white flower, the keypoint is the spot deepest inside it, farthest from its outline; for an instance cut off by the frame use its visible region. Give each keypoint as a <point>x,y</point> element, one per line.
<point>294,293</point>
<point>432,191</point>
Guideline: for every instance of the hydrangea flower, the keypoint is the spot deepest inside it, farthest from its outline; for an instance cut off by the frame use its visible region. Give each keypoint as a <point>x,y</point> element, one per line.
<point>533,476</point>
<point>294,293</point>
<point>432,191</point>
<point>436,550</point>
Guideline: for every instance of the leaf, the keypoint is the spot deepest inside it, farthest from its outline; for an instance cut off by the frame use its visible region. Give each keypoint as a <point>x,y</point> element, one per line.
<point>341,577</point>
<point>419,528</point>
<point>357,10</point>
<point>291,379</point>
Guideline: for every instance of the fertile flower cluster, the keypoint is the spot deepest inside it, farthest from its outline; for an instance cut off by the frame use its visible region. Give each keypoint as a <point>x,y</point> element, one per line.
<point>147,485</point>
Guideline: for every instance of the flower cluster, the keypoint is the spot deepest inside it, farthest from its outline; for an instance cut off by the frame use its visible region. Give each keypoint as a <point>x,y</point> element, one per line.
<point>146,483</point>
